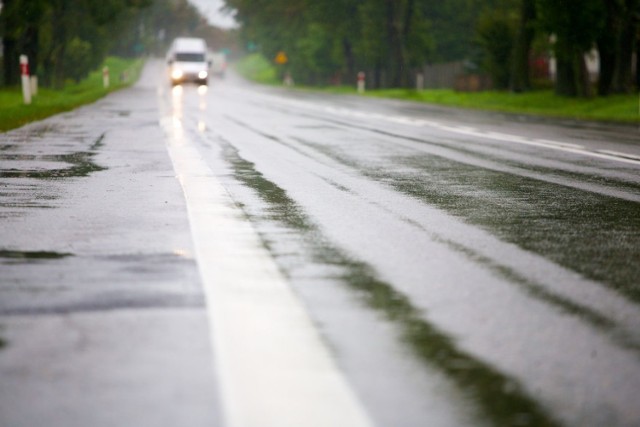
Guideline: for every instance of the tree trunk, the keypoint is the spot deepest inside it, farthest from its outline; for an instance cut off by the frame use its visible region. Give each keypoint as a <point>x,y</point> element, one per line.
<point>607,43</point>
<point>31,37</point>
<point>399,16</point>
<point>347,50</point>
<point>11,61</point>
<point>565,74</point>
<point>581,75</point>
<point>623,77</point>
<point>11,58</point>
<point>395,56</point>
<point>637,66</point>
<point>607,68</point>
<point>520,77</point>
<point>377,76</point>
<point>59,43</point>
<point>407,28</point>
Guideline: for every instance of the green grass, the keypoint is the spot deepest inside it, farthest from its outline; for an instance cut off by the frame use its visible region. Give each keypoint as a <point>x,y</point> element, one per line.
<point>13,112</point>
<point>619,108</point>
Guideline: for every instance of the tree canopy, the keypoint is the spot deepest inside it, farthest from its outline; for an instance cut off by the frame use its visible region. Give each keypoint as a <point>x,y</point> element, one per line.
<point>331,40</point>
<point>66,39</point>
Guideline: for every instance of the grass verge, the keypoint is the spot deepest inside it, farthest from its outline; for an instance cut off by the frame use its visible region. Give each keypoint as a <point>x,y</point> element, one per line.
<point>13,112</point>
<point>618,108</point>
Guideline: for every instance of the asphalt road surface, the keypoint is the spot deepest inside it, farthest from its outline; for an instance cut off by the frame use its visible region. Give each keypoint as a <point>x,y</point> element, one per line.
<point>247,256</point>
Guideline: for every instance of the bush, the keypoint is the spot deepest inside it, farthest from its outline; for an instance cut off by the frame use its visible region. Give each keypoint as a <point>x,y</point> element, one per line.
<point>255,67</point>
<point>78,58</point>
<point>496,34</point>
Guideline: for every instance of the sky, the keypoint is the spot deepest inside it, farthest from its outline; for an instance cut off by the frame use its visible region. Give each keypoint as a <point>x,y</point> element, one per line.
<point>211,9</point>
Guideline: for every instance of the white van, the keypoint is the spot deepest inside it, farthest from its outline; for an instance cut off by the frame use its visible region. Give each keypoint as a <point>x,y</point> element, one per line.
<point>187,61</point>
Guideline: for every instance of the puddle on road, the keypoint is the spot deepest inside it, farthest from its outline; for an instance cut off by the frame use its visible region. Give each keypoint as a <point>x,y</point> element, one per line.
<point>593,234</point>
<point>32,255</point>
<point>499,399</point>
<point>41,129</point>
<point>82,164</point>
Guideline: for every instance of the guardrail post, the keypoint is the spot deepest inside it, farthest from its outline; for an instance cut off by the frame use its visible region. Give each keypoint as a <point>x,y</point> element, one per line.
<point>26,81</point>
<point>419,81</point>
<point>105,77</point>
<point>361,82</point>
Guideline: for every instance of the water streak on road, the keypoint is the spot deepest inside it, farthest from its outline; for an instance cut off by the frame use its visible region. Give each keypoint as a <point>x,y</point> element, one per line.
<point>466,269</point>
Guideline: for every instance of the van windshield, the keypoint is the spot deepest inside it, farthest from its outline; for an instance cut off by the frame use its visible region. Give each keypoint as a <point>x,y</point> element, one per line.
<point>189,57</point>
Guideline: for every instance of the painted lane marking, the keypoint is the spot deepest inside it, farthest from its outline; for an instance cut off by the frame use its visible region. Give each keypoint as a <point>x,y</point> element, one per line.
<point>619,154</point>
<point>470,131</point>
<point>274,369</point>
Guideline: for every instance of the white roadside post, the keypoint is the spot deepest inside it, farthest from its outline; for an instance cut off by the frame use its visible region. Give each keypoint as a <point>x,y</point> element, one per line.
<point>419,81</point>
<point>288,80</point>
<point>361,82</point>
<point>26,81</point>
<point>105,77</point>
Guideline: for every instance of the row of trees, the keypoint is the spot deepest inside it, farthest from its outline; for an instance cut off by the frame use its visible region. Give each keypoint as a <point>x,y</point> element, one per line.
<point>333,39</point>
<point>570,29</point>
<point>66,39</point>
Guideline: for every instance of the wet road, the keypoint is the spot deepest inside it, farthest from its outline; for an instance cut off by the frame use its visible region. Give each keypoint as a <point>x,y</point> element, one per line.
<point>450,268</point>
<point>465,269</point>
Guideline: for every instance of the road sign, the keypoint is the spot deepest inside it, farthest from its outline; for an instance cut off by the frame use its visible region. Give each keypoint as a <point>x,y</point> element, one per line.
<point>281,58</point>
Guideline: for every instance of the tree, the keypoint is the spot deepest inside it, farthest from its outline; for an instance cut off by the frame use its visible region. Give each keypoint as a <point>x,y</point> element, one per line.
<point>62,38</point>
<point>616,45</point>
<point>392,37</point>
<point>10,30</point>
<point>452,25</point>
<point>337,36</point>
<point>496,30</point>
<point>520,77</point>
<point>576,25</point>
<point>330,15</point>
<point>19,29</point>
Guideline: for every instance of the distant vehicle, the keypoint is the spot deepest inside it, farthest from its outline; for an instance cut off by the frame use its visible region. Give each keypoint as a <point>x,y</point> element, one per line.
<point>187,61</point>
<point>218,62</point>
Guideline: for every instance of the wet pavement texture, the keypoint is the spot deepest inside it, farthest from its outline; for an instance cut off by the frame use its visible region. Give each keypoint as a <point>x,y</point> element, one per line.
<point>465,268</point>
<point>462,268</point>
<point>102,314</point>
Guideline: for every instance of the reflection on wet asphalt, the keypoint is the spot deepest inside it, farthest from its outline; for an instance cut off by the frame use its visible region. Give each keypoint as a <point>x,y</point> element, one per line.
<point>485,283</point>
<point>555,221</point>
<point>81,164</point>
<point>56,268</point>
<point>102,313</point>
<point>457,281</point>
<point>62,153</point>
<point>500,399</point>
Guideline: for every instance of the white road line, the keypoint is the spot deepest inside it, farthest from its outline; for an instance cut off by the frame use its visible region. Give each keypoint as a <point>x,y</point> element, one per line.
<point>273,367</point>
<point>619,154</point>
<point>464,130</point>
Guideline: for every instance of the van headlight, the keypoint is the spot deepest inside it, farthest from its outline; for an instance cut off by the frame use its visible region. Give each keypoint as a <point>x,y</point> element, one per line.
<point>176,74</point>
<point>202,75</point>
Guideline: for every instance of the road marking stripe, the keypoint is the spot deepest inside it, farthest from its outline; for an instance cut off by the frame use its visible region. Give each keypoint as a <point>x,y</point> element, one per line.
<point>273,367</point>
<point>464,130</point>
<point>619,154</point>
